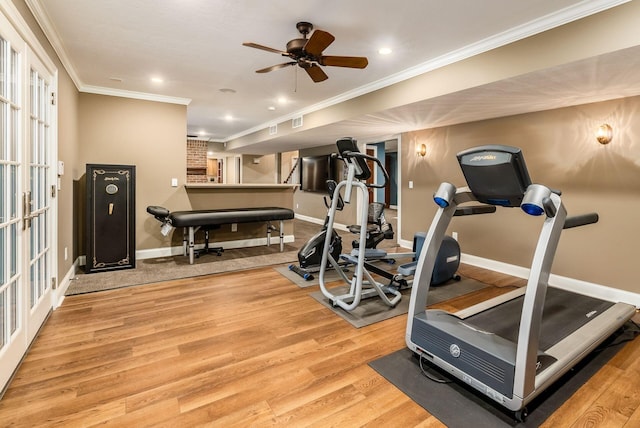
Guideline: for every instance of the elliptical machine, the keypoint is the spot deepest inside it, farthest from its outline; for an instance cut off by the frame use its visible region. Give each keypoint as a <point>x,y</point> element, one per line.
<point>310,255</point>
<point>362,284</point>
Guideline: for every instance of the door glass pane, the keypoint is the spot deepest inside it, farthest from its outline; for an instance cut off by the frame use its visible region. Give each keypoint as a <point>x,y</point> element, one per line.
<point>13,250</point>
<point>42,188</point>
<point>45,235</point>
<point>3,207</point>
<point>34,140</point>
<point>13,196</point>
<point>33,236</point>
<point>3,70</point>
<point>4,147</point>
<point>13,307</point>
<point>14,92</point>
<point>14,135</point>
<point>3,259</point>
<point>32,286</point>
<point>3,328</point>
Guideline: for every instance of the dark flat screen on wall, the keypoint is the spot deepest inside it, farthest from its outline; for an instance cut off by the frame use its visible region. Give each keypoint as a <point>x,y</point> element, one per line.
<point>314,173</point>
<point>316,170</point>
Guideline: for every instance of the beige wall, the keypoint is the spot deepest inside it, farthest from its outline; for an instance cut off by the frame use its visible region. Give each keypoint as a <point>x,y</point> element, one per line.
<point>561,152</point>
<point>259,169</point>
<point>149,135</point>
<point>68,152</point>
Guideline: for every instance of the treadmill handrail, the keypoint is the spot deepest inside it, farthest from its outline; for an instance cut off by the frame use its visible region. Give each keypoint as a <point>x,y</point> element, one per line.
<point>474,210</point>
<point>581,220</point>
<point>534,296</point>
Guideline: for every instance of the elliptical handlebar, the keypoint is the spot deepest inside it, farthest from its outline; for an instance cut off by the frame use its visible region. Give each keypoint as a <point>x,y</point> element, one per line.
<point>366,171</point>
<point>351,155</point>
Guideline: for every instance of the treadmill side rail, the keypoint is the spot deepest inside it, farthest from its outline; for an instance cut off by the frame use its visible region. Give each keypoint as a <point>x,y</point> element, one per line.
<point>571,350</point>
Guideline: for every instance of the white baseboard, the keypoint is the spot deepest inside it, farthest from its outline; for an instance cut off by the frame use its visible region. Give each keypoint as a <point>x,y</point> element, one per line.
<point>405,244</point>
<point>598,291</point>
<point>338,226</point>
<point>63,284</point>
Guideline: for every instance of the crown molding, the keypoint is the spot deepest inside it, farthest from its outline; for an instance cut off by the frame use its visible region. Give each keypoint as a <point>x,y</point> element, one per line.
<point>41,16</point>
<point>100,90</point>
<point>540,25</point>
<point>51,34</point>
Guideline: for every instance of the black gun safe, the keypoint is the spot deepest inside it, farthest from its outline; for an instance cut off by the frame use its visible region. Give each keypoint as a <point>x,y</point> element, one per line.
<point>110,234</point>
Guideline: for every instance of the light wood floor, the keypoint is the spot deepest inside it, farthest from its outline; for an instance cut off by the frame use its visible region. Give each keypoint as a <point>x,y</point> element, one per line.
<point>246,349</point>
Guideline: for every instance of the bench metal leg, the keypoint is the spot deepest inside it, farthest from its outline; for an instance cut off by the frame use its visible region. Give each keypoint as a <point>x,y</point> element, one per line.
<point>281,236</point>
<point>192,232</point>
<point>185,238</point>
<point>271,227</point>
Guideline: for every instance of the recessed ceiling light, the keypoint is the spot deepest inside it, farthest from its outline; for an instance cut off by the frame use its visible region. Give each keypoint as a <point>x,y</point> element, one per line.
<point>116,79</point>
<point>271,108</point>
<point>157,80</point>
<point>227,91</point>
<point>228,118</point>
<point>384,51</point>
<point>282,100</point>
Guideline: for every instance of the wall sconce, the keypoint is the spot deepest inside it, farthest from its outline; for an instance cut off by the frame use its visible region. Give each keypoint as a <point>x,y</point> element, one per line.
<point>604,134</point>
<point>421,150</point>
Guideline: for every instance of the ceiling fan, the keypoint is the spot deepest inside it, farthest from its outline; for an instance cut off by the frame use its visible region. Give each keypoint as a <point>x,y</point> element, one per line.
<point>307,53</point>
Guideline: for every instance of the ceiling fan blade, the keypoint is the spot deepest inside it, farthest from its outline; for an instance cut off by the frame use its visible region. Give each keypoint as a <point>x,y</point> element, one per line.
<point>344,61</point>
<point>318,42</point>
<point>275,67</point>
<point>264,48</point>
<point>316,73</point>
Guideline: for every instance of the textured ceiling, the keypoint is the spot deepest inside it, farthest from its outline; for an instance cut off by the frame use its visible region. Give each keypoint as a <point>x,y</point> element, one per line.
<point>116,47</point>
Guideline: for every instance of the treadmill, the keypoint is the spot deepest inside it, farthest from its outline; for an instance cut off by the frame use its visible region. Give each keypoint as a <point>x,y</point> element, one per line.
<point>514,346</point>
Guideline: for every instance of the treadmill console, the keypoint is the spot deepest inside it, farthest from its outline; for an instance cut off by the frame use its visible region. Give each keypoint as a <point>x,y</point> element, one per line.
<point>495,174</point>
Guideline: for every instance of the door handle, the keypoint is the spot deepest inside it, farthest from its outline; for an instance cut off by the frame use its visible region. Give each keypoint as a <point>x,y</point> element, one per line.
<point>26,209</point>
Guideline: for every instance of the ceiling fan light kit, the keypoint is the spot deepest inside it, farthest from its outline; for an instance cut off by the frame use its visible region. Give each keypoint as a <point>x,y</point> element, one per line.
<point>307,53</point>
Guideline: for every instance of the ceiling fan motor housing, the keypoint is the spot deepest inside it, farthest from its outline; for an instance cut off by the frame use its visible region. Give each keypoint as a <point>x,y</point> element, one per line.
<point>295,47</point>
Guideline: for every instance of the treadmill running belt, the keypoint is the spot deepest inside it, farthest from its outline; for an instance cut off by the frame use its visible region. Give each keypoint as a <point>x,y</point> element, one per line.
<point>564,312</point>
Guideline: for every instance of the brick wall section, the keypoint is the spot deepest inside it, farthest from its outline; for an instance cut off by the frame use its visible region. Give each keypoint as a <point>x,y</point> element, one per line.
<point>196,159</point>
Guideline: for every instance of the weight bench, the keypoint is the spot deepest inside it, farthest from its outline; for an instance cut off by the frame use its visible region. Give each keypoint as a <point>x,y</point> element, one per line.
<point>192,221</point>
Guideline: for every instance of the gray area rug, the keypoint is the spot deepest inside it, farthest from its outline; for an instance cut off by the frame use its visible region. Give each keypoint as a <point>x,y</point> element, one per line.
<point>177,267</point>
<point>446,401</point>
<point>373,310</point>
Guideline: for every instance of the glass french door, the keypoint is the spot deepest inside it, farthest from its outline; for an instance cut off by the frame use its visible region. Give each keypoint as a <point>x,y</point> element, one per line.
<point>26,215</point>
<point>37,199</point>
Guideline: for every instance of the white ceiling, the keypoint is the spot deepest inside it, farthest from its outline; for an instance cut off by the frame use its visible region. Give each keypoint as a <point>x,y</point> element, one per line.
<point>116,47</point>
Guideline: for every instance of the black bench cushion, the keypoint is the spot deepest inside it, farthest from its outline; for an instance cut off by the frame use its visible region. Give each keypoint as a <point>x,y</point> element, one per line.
<point>229,215</point>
